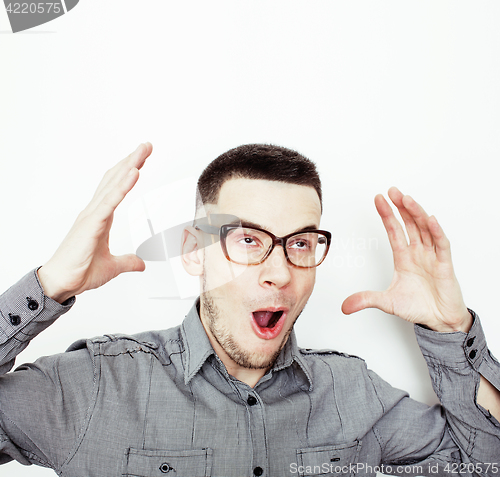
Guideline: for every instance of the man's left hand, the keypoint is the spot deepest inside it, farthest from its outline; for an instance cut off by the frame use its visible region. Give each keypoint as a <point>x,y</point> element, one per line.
<point>424,288</point>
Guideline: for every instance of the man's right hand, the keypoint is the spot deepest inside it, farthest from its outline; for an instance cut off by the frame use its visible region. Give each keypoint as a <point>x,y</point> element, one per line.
<point>83,260</point>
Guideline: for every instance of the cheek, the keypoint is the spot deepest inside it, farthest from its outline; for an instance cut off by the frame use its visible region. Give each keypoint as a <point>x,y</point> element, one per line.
<point>305,284</point>
<point>221,273</point>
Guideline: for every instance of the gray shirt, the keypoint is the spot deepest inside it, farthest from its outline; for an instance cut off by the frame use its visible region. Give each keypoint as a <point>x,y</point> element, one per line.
<point>162,402</point>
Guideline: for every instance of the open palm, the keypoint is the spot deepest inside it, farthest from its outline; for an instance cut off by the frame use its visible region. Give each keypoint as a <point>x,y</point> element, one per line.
<point>83,261</point>
<point>424,288</point>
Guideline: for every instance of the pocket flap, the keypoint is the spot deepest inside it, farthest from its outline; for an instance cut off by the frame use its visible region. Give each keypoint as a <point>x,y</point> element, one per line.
<point>328,460</point>
<point>160,463</point>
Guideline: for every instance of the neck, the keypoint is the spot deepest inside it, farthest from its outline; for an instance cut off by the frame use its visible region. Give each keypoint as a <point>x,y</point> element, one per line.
<point>248,376</point>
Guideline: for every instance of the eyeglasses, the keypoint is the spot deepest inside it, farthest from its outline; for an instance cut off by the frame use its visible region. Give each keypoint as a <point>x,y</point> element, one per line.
<point>251,246</point>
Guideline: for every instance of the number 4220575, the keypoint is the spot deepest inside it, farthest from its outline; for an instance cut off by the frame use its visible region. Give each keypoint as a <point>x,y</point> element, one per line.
<point>34,7</point>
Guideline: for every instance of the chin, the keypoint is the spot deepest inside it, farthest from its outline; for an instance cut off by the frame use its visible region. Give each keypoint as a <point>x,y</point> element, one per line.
<point>263,355</point>
<point>254,360</point>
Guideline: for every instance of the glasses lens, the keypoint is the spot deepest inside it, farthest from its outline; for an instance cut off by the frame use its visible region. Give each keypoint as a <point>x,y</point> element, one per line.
<point>307,249</point>
<point>246,245</point>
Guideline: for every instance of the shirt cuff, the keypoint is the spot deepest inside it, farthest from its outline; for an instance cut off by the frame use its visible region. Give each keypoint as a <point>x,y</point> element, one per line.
<point>455,349</point>
<point>25,310</point>
<point>456,361</point>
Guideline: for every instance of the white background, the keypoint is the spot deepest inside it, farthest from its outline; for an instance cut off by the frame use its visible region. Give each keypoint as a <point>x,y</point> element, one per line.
<point>377,93</point>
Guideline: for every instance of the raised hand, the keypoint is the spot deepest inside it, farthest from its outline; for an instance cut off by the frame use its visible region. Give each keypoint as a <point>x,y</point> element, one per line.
<point>83,260</point>
<point>424,288</point>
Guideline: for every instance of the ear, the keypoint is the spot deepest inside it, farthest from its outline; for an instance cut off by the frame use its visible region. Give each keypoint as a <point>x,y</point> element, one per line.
<point>192,253</point>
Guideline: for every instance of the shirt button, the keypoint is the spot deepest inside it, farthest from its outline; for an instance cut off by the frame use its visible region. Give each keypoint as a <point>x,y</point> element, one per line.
<point>165,468</point>
<point>14,319</point>
<point>472,354</point>
<point>470,341</point>
<point>252,402</point>
<point>32,304</point>
<point>258,471</point>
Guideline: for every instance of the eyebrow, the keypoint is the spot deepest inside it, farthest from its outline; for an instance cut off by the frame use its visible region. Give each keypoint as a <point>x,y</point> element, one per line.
<point>247,223</point>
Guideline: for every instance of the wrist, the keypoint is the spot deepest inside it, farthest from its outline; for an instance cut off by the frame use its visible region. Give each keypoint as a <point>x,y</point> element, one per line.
<point>50,287</point>
<point>463,324</point>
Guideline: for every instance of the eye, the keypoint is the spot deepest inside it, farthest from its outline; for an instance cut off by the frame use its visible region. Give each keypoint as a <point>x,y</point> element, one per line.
<point>300,244</point>
<point>245,239</point>
<point>248,241</point>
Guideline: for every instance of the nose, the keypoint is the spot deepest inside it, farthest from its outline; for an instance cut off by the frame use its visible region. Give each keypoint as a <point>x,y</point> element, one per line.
<point>275,269</point>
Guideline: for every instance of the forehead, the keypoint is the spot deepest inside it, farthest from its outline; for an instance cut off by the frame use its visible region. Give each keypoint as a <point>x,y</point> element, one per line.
<point>277,206</point>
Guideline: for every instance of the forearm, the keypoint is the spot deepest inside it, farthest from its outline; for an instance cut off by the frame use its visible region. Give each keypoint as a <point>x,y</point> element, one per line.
<point>488,396</point>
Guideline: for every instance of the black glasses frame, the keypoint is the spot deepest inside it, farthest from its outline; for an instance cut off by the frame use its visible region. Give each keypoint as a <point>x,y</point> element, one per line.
<point>223,231</point>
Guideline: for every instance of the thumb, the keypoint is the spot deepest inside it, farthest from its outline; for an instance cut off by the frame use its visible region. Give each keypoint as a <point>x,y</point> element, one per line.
<point>361,300</point>
<point>129,263</point>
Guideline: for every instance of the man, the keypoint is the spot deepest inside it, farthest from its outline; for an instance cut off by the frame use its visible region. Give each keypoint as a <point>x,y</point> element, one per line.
<point>229,393</point>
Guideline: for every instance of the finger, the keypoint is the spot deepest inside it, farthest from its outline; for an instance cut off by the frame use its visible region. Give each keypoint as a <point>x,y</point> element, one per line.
<point>106,207</point>
<point>142,152</point>
<point>411,227</point>
<point>441,242</point>
<point>129,263</point>
<point>135,160</point>
<point>118,173</point>
<point>362,300</point>
<point>421,219</point>
<point>395,232</point>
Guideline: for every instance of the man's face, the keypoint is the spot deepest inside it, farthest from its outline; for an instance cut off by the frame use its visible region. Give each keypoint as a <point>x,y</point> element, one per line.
<point>248,311</point>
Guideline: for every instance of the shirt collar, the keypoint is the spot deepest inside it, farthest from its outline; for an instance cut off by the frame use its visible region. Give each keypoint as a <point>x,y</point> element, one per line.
<point>196,343</point>
<point>291,353</point>
<point>198,348</point>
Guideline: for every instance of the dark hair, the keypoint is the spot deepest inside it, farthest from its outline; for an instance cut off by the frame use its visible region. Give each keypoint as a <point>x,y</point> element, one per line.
<point>256,161</point>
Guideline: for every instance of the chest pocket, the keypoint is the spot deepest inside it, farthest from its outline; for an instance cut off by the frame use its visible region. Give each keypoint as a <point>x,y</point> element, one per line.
<point>328,461</point>
<point>156,463</point>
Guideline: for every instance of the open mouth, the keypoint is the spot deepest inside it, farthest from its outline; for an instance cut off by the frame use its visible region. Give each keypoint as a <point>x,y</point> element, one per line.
<point>267,319</point>
<point>268,324</point>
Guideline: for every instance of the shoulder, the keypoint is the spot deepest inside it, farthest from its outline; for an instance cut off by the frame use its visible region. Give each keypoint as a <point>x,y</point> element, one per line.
<point>329,355</point>
<point>147,342</point>
<point>352,380</point>
<point>338,364</point>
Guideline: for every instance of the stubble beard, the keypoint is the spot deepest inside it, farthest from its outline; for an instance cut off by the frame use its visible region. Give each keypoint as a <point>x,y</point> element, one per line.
<point>242,357</point>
